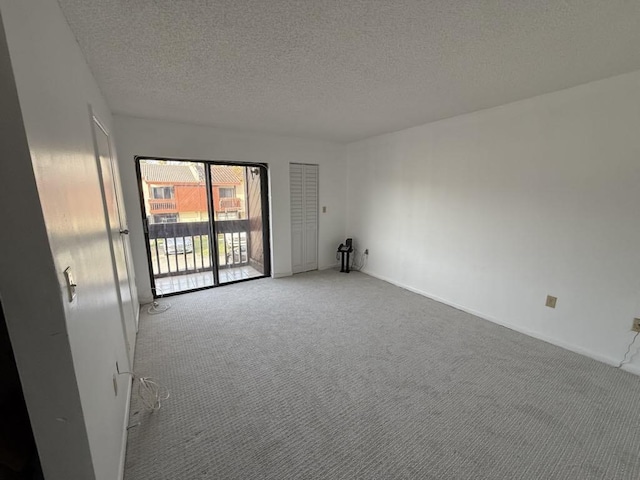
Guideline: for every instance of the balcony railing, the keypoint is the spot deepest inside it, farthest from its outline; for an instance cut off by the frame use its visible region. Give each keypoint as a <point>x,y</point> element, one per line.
<point>230,203</point>
<point>162,205</point>
<point>181,248</point>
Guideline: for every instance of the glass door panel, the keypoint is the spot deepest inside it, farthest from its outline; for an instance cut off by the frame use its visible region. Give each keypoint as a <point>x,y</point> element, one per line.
<point>186,205</point>
<point>238,205</point>
<point>176,208</point>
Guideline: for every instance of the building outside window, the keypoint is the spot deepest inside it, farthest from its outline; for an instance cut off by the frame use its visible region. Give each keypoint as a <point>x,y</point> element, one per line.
<point>162,192</point>
<point>165,218</point>
<point>227,192</point>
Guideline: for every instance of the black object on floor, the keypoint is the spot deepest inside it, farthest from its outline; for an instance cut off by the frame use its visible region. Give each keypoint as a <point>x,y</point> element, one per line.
<point>345,249</point>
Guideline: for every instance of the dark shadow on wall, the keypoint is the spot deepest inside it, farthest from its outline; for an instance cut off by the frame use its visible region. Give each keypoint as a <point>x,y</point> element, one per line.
<point>18,454</point>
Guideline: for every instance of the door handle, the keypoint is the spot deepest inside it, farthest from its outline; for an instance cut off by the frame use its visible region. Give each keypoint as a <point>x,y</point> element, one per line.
<point>124,232</point>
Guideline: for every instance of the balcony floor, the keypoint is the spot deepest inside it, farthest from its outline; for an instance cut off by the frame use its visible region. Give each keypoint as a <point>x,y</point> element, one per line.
<point>189,281</point>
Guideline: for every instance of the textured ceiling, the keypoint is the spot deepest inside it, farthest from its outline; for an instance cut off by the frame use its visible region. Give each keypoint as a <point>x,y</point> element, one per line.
<point>345,69</point>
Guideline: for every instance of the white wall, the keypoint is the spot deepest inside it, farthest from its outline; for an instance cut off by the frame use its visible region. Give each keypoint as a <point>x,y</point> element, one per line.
<point>145,137</point>
<point>52,206</point>
<point>494,210</point>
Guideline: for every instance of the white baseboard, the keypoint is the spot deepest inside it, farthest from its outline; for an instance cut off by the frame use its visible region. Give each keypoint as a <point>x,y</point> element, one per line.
<point>125,430</point>
<point>281,274</point>
<point>532,333</point>
<point>631,368</point>
<point>327,267</point>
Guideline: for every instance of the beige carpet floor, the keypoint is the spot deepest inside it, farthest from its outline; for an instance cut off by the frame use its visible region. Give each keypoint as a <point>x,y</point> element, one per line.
<point>334,376</point>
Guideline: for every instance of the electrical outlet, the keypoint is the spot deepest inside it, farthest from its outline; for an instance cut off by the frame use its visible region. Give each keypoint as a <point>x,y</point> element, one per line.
<point>635,327</point>
<point>366,252</point>
<point>115,385</point>
<point>551,301</point>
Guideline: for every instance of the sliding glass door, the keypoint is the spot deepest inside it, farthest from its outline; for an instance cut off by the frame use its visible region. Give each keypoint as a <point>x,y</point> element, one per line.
<point>185,205</point>
<point>239,221</point>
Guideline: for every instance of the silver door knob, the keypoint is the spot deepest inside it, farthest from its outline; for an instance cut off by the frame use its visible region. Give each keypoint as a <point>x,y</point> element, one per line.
<point>124,232</point>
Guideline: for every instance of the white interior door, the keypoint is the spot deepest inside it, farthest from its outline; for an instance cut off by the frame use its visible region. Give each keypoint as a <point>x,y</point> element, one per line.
<point>116,231</point>
<point>297,217</point>
<point>310,217</point>
<point>304,217</point>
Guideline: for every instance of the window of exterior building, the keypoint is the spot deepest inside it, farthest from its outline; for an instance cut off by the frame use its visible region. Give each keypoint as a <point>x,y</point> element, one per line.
<point>162,192</point>
<point>227,192</point>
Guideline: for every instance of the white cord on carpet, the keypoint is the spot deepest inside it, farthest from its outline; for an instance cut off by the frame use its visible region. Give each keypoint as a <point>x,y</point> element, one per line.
<point>150,391</point>
<point>156,307</point>
<point>624,359</point>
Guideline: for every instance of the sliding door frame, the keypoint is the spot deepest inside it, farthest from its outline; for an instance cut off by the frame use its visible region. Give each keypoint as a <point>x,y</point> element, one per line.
<point>213,234</point>
<point>213,251</point>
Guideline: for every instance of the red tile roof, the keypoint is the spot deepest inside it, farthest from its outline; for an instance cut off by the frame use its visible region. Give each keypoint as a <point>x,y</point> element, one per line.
<point>190,173</point>
<point>169,173</point>
<point>227,174</point>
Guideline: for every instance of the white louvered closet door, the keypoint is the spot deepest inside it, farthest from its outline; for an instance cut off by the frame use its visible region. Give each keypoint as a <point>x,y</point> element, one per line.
<point>304,217</point>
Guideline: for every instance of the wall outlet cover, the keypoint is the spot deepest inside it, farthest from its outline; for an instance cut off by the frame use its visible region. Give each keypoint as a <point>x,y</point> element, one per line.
<point>551,301</point>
